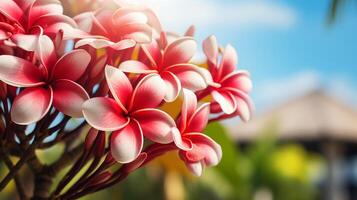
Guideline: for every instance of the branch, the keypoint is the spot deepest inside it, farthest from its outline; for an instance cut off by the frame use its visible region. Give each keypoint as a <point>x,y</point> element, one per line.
<point>19,186</point>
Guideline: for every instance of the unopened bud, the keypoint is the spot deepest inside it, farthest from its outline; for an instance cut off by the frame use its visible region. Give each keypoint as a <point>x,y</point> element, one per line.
<point>91,136</point>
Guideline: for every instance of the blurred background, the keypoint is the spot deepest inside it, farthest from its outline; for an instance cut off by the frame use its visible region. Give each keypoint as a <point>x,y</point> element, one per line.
<point>301,143</point>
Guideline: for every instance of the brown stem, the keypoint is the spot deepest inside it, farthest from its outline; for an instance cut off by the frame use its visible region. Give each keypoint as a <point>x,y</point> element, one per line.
<point>19,186</point>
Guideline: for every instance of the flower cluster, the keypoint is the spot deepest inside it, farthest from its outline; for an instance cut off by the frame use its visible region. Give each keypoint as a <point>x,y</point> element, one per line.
<point>117,68</point>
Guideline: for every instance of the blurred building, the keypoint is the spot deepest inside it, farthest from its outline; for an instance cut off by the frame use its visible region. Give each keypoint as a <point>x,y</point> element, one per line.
<point>321,124</point>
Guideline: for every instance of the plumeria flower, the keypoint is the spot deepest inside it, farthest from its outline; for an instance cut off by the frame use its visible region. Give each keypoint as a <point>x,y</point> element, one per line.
<point>132,114</point>
<point>19,22</point>
<point>196,149</point>
<point>229,88</point>
<point>122,29</point>
<point>171,62</point>
<point>53,83</point>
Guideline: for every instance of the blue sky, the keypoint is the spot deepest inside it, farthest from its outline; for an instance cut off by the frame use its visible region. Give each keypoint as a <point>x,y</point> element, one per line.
<point>286,45</point>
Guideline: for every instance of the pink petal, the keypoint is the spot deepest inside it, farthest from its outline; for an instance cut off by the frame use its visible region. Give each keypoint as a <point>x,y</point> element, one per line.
<point>179,51</point>
<point>245,106</point>
<point>31,105</point>
<point>156,124</point>
<point>225,100</point>
<point>229,61</point>
<point>85,21</point>
<point>190,32</point>
<point>72,65</point>
<point>133,66</point>
<point>11,10</point>
<point>26,42</point>
<point>43,7</point>
<point>123,44</point>
<point>46,53</point>
<point>126,144</point>
<point>124,16</point>
<point>196,168</point>
<point>119,86</point>
<point>191,77</point>
<point>148,93</point>
<point>104,114</point>
<point>19,72</point>
<point>68,97</point>
<point>198,121</point>
<point>204,147</point>
<point>140,33</point>
<point>180,142</point>
<point>152,52</point>
<point>210,48</point>
<point>173,86</point>
<point>98,68</point>
<point>239,80</point>
<point>188,108</point>
<point>94,42</point>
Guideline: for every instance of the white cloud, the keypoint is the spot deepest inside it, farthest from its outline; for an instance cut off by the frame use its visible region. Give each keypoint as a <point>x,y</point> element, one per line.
<point>177,15</point>
<point>270,93</point>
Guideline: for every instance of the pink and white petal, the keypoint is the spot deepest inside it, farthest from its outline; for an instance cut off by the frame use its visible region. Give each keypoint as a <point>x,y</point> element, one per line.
<point>239,80</point>
<point>195,167</point>
<point>173,86</point>
<point>133,66</point>
<point>3,35</point>
<point>119,86</point>
<point>104,114</point>
<point>11,10</point>
<point>190,76</point>
<point>43,7</point>
<point>68,97</point>
<point>210,48</point>
<point>244,96</point>
<point>188,108</point>
<point>46,53</point>
<point>152,52</point>
<point>229,61</point>
<point>198,121</point>
<point>72,65</point>
<point>85,21</point>
<point>126,144</point>
<point>18,72</point>
<point>204,146</point>
<point>98,67</point>
<point>181,142</point>
<point>225,100</point>
<point>179,51</point>
<point>25,41</point>
<point>51,19</point>
<point>156,124</point>
<point>190,32</point>
<point>94,42</point>
<point>31,105</point>
<point>123,44</point>
<point>124,16</point>
<point>140,33</point>
<point>243,109</point>
<point>148,93</point>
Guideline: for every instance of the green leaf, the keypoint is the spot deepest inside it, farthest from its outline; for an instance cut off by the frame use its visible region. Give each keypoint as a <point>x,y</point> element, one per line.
<point>50,155</point>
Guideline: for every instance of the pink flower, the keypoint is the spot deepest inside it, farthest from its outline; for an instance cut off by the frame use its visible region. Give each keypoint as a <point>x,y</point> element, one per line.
<point>132,114</point>
<point>229,88</point>
<point>197,149</point>
<point>53,82</point>
<point>122,28</point>
<point>171,63</point>
<point>20,22</point>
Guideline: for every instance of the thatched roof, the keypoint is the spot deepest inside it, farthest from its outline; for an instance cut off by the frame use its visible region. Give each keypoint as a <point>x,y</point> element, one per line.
<point>312,117</point>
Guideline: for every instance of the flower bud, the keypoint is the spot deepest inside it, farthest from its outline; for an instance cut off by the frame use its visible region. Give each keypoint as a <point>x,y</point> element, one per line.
<point>91,137</point>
